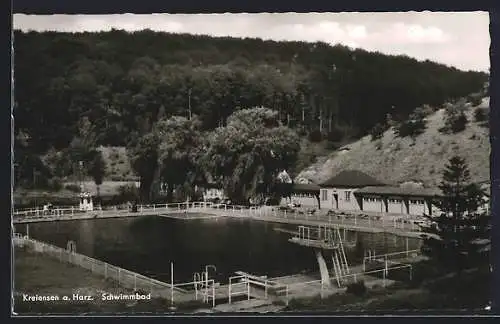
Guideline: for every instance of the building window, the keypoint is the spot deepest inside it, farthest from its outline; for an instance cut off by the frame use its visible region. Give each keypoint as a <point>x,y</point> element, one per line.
<point>347,196</point>
<point>324,195</point>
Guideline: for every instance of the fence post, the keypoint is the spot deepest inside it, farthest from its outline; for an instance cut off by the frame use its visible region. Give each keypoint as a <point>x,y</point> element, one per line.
<point>355,219</point>
<point>411,272</point>
<point>213,294</point>
<point>135,281</point>
<point>60,255</point>
<point>286,294</point>
<point>229,294</point>
<point>248,288</point>
<point>383,280</point>
<point>118,275</point>
<point>105,270</point>
<point>265,289</point>
<point>172,283</point>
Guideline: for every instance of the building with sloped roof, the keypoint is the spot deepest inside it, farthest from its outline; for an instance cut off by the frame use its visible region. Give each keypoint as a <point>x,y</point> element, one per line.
<point>337,193</point>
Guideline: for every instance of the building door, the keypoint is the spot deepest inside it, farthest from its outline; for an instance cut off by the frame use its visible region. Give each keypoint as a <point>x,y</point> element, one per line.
<point>335,201</point>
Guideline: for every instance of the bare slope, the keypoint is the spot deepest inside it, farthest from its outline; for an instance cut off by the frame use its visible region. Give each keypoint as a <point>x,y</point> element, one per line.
<point>398,160</point>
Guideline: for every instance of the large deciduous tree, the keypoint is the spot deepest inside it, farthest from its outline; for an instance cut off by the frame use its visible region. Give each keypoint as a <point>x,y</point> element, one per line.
<point>250,151</point>
<point>460,234</point>
<point>144,161</point>
<point>179,151</point>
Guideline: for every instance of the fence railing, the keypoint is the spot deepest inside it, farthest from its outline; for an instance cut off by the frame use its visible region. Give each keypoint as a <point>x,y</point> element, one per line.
<point>289,290</point>
<point>353,221</point>
<point>123,277</point>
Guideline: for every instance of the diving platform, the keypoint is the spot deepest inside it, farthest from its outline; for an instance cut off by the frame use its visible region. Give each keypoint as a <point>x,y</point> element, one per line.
<point>325,240</point>
<point>318,244</point>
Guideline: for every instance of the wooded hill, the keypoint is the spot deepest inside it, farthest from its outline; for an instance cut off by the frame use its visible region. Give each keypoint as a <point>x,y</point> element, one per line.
<point>110,88</point>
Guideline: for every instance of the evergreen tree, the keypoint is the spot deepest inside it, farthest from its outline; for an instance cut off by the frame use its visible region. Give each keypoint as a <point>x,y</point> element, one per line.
<point>459,236</point>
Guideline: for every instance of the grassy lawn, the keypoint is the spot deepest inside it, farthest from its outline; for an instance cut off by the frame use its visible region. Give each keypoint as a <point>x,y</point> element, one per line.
<point>35,273</point>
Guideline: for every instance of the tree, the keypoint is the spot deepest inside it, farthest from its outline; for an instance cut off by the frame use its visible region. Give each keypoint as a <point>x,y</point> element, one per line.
<point>413,126</point>
<point>144,161</point>
<point>97,171</point>
<point>377,131</point>
<point>247,155</point>
<point>179,152</point>
<point>459,235</point>
<point>455,120</point>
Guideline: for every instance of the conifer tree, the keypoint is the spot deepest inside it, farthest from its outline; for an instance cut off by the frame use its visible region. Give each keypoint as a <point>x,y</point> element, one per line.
<point>459,236</point>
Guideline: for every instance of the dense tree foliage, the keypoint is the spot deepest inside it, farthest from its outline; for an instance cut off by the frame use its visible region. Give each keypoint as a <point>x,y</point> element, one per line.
<point>77,91</point>
<point>462,230</point>
<point>98,170</point>
<point>250,152</point>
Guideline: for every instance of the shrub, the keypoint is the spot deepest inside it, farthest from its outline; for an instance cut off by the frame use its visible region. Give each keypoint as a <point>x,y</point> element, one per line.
<point>356,288</point>
<point>54,184</point>
<point>335,135</point>
<point>413,126</point>
<point>128,192</point>
<point>455,121</point>
<point>474,100</point>
<point>481,114</point>
<point>332,146</point>
<point>72,187</point>
<point>315,136</point>
<point>377,131</point>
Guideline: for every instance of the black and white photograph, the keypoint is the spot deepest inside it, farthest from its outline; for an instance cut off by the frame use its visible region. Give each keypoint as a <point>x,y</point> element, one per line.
<point>251,163</point>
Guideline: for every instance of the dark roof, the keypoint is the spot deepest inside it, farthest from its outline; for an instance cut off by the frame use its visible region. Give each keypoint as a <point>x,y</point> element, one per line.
<point>305,187</point>
<point>399,191</point>
<point>352,178</point>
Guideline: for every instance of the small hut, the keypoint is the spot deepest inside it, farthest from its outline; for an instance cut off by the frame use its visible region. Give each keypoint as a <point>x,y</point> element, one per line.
<point>86,203</point>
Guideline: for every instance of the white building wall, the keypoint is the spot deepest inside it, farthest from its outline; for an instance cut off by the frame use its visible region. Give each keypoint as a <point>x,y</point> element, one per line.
<point>326,199</point>
<point>213,193</point>
<point>372,204</point>
<point>417,206</point>
<point>305,200</point>
<point>395,205</point>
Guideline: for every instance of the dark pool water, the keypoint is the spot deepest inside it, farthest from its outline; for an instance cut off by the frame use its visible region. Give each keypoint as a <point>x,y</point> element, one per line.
<point>149,244</point>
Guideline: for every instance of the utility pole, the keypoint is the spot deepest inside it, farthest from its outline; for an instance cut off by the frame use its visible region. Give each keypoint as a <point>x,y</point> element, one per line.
<point>302,103</point>
<point>321,118</point>
<point>80,175</point>
<point>34,185</point>
<point>189,103</point>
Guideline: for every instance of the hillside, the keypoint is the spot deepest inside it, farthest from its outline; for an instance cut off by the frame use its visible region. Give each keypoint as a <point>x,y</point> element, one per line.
<point>396,160</point>
<point>76,92</point>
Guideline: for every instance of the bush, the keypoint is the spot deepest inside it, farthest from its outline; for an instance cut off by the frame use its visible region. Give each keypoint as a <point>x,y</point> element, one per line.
<point>481,114</point>
<point>72,187</point>
<point>128,192</point>
<point>315,136</point>
<point>335,135</point>
<point>54,184</point>
<point>356,288</point>
<point>455,121</point>
<point>410,128</point>
<point>332,146</point>
<point>377,131</point>
<point>413,126</point>
<point>474,100</point>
